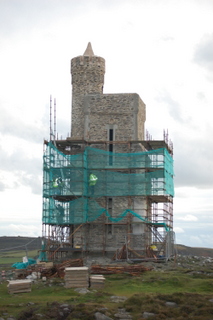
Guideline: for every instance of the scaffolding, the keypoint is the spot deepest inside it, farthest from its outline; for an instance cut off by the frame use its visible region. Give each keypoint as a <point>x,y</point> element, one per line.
<point>130,203</point>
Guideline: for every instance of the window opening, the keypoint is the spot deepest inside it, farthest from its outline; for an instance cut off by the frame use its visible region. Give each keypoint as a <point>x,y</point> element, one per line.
<point>111,146</point>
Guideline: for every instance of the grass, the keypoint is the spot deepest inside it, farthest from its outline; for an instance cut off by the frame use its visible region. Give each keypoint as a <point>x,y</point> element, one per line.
<point>10,257</point>
<point>148,292</point>
<point>157,282</point>
<point>187,306</point>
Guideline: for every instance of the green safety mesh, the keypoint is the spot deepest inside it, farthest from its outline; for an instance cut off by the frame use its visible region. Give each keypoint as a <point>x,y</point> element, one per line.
<point>68,197</point>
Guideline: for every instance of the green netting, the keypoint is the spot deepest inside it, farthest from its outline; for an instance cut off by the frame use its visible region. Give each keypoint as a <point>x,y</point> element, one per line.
<point>66,177</point>
<point>82,210</point>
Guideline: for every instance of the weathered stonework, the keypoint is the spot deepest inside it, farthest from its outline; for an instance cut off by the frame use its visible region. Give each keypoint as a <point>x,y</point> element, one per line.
<point>93,115</point>
<point>125,111</point>
<point>87,78</point>
<point>92,110</point>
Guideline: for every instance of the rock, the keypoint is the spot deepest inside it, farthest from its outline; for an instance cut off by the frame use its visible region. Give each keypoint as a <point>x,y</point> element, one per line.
<point>122,314</point>
<point>171,304</point>
<point>64,305</point>
<point>118,299</point>
<point>82,290</point>
<point>147,315</point>
<point>101,316</point>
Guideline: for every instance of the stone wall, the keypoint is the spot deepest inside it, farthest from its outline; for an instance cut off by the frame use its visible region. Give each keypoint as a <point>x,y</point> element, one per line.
<point>124,113</point>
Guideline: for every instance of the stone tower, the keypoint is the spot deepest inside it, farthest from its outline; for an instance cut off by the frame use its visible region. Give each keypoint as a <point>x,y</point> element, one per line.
<point>87,78</point>
<point>106,117</point>
<point>99,116</point>
<point>131,206</point>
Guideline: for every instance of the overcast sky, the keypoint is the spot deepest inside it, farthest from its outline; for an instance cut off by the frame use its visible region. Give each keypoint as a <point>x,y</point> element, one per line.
<point>160,49</point>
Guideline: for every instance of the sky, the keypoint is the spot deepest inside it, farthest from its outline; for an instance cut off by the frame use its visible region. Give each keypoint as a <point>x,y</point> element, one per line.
<point>160,49</point>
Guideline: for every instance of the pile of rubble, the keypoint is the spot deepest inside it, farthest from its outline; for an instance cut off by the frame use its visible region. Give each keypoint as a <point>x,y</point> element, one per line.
<point>103,265</point>
<point>48,269</point>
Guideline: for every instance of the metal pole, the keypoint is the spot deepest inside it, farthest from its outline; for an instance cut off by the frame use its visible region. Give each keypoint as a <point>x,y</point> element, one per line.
<point>54,118</point>
<point>50,116</point>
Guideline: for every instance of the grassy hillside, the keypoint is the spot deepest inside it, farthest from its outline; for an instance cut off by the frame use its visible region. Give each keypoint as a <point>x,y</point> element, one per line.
<point>148,292</point>
<point>186,283</point>
<point>13,249</point>
<point>20,243</point>
<point>194,251</point>
<point>9,258</point>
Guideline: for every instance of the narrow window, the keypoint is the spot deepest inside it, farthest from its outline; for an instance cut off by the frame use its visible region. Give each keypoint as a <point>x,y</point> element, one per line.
<point>111,133</point>
<point>110,206</point>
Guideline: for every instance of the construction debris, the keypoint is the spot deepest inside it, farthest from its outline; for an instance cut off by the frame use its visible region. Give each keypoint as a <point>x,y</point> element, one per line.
<point>76,277</point>
<point>45,265</point>
<point>133,269</point>
<point>120,254</point>
<point>20,273</point>
<point>19,286</point>
<point>50,270</point>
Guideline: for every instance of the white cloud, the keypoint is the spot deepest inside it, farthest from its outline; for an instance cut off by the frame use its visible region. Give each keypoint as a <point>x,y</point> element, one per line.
<point>178,230</point>
<point>204,52</point>
<point>188,217</point>
<point>20,230</point>
<point>196,239</point>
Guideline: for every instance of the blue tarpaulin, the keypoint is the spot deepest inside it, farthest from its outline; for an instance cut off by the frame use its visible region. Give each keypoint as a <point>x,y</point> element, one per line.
<point>23,265</point>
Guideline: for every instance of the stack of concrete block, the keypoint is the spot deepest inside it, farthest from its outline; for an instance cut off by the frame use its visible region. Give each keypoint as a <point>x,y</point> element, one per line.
<point>97,281</point>
<point>76,277</point>
<point>19,286</point>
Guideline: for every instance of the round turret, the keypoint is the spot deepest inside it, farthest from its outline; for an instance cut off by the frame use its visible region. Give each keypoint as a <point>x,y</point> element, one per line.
<point>87,73</point>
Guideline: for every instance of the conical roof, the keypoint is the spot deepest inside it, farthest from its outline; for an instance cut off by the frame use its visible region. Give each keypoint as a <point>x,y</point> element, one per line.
<point>89,51</point>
